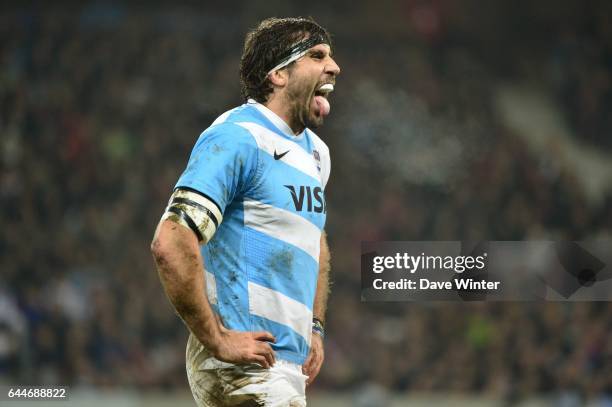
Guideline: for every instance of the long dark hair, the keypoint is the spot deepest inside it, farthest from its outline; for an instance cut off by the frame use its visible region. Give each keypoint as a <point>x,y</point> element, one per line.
<point>263,47</point>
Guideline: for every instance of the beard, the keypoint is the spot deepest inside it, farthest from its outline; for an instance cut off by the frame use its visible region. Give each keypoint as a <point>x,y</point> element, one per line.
<point>302,108</point>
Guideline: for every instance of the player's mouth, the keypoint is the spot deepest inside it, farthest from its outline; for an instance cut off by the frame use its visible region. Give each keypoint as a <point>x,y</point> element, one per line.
<point>320,104</point>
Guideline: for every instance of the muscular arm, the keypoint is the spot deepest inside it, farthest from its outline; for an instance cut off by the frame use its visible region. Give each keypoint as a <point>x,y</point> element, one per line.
<point>180,267</point>
<point>323,287</point>
<point>313,363</point>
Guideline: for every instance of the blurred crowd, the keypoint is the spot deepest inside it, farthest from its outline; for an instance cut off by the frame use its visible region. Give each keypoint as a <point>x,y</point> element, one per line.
<point>100,107</point>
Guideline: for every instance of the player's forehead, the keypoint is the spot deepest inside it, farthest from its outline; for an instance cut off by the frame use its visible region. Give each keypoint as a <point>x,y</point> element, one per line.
<point>325,48</point>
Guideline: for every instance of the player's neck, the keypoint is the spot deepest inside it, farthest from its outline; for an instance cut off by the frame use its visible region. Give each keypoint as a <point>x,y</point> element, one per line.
<point>281,109</point>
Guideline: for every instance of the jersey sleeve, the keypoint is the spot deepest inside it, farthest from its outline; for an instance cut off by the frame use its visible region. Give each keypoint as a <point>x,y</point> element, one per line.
<point>222,163</point>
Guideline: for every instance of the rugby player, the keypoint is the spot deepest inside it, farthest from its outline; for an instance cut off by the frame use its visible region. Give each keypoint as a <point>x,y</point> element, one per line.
<point>241,249</point>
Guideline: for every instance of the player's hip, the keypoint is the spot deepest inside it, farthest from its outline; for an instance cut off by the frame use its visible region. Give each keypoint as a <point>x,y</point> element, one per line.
<point>216,383</point>
<point>291,327</point>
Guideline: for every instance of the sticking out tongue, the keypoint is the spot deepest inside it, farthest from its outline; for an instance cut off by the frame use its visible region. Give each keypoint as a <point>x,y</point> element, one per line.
<point>322,105</point>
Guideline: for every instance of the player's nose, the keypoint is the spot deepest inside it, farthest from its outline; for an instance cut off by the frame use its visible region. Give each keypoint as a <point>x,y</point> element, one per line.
<point>332,67</point>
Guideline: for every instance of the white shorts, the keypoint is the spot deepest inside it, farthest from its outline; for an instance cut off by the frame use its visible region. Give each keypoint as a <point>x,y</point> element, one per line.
<point>215,383</point>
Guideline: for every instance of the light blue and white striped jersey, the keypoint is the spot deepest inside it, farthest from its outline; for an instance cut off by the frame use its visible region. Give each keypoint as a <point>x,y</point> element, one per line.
<point>262,264</point>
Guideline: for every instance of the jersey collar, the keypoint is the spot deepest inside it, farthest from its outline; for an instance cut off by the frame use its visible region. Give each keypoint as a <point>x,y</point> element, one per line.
<point>276,120</point>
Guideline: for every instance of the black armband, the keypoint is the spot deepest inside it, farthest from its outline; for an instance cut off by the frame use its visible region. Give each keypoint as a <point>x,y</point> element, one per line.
<point>194,211</point>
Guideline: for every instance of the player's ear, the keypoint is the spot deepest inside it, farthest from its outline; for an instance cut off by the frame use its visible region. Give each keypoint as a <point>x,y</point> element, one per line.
<point>279,78</point>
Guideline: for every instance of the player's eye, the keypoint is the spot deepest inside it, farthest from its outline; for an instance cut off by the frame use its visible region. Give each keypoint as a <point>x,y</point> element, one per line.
<point>317,55</point>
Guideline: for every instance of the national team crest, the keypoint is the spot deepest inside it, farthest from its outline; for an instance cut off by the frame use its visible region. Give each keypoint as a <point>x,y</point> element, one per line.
<point>317,158</point>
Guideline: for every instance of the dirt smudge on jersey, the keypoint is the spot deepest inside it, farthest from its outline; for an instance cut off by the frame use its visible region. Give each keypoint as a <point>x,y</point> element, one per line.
<point>216,149</point>
<point>281,262</point>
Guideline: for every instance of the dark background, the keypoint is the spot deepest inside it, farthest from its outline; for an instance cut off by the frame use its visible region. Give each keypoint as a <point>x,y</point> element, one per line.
<point>451,120</point>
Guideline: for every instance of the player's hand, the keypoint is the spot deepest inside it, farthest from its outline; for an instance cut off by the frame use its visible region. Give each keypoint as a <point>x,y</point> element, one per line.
<point>245,347</point>
<point>315,359</point>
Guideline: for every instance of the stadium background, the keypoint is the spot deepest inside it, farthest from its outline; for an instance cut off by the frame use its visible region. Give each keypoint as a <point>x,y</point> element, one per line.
<point>482,120</point>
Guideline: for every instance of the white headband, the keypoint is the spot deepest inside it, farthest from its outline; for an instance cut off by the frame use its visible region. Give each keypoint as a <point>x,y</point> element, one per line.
<point>297,51</point>
<point>293,57</point>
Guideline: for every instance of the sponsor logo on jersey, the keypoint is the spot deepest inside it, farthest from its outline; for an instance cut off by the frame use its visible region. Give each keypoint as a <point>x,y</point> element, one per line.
<point>307,198</point>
